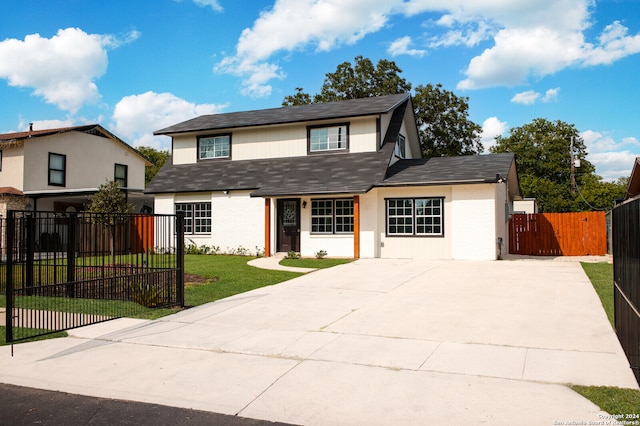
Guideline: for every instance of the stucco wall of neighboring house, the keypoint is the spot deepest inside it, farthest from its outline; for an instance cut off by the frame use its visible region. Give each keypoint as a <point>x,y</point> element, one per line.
<point>435,247</point>
<point>90,161</point>
<point>12,173</point>
<point>473,222</point>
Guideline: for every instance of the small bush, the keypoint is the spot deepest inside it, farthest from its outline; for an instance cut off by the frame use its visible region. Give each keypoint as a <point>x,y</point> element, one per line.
<point>144,294</point>
<point>292,255</point>
<point>259,252</point>
<point>320,254</point>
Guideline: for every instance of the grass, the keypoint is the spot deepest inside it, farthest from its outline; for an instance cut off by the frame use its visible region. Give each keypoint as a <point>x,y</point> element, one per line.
<point>3,335</point>
<point>601,276</point>
<point>614,401</point>
<point>309,262</point>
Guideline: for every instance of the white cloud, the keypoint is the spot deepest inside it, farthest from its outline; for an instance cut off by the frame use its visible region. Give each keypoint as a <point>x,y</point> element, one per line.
<point>612,159</point>
<point>61,69</point>
<point>551,95</point>
<point>401,47</point>
<point>213,4</point>
<point>293,25</point>
<point>526,98</point>
<point>136,117</point>
<point>492,127</point>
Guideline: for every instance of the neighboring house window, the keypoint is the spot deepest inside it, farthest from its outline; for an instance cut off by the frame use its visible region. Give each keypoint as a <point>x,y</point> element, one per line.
<point>197,217</point>
<point>214,147</point>
<point>57,169</point>
<point>120,175</point>
<point>0,160</point>
<point>401,148</point>
<point>332,216</point>
<point>415,216</point>
<point>333,138</point>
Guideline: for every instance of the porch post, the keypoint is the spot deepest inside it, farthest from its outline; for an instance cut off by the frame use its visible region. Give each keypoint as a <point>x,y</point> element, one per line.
<point>356,227</point>
<point>267,227</point>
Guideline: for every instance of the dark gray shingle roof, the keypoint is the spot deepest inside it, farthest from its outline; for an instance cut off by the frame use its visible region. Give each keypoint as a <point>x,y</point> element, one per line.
<point>312,174</point>
<point>289,114</point>
<point>448,170</point>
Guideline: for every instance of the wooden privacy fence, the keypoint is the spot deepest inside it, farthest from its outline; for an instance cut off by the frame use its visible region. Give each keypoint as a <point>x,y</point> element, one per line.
<point>558,234</point>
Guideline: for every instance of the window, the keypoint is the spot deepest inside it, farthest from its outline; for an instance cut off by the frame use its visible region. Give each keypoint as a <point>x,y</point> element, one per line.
<point>415,216</point>
<point>328,138</point>
<point>0,160</point>
<point>57,169</point>
<point>401,148</point>
<point>332,216</point>
<point>120,175</point>
<point>214,147</point>
<point>197,217</point>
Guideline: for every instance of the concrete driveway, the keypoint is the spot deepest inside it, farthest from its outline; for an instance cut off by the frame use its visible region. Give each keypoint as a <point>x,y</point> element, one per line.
<point>372,342</point>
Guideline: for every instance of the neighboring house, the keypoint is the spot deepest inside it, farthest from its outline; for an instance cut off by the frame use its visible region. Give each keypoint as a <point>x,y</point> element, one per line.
<point>343,177</point>
<point>58,169</point>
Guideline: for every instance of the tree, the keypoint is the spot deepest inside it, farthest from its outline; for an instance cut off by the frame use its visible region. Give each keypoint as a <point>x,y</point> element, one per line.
<point>443,121</point>
<point>442,117</point>
<point>546,167</point>
<point>109,207</point>
<point>157,157</point>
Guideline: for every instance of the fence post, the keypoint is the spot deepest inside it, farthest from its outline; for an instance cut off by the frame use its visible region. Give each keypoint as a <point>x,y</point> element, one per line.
<point>180,258</point>
<point>71,254</point>
<point>10,237</point>
<point>31,248</point>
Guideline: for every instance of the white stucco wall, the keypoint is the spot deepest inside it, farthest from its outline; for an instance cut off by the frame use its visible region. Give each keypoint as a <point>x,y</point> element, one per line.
<point>473,222</point>
<point>237,220</point>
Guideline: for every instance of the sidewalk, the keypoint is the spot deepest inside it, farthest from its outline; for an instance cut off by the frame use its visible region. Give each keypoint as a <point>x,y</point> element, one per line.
<point>273,262</point>
<point>373,342</point>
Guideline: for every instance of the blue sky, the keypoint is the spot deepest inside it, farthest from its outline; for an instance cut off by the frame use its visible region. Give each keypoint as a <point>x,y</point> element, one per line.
<point>135,67</point>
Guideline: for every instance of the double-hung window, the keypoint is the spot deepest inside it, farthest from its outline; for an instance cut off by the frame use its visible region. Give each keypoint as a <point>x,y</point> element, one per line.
<point>57,169</point>
<point>400,150</point>
<point>218,146</point>
<point>415,216</point>
<point>120,175</point>
<point>197,217</point>
<point>330,216</point>
<point>329,138</point>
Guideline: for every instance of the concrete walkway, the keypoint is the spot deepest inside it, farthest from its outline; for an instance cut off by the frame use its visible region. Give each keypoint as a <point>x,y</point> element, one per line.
<point>273,262</point>
<point>370,342</point>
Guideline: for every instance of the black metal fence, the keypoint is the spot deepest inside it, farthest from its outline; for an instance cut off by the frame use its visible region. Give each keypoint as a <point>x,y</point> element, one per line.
<point>626,275</point>
<point>62,271</point>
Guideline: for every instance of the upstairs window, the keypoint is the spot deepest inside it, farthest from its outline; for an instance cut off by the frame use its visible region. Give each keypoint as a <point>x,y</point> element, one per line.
<point>214,147</point>
<point>401,147</point>
<point>120,175</point>
<point>57,169</point>
<point>332,138</point>
<point>0,160</point>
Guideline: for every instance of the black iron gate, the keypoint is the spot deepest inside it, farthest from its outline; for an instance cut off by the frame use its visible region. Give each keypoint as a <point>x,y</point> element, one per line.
<point>626,275</point>
<point>67,270</point>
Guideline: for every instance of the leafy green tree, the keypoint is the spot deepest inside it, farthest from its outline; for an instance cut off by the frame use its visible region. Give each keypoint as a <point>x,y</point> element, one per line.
<point>109,207</point>
<point>157,157</point>
<point>544,161</point>
<point>442,117</point>
<point>443,122</point>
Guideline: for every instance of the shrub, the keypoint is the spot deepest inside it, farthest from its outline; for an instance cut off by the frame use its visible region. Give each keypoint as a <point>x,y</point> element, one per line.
<point>320,254</point>
<point>292,255</point>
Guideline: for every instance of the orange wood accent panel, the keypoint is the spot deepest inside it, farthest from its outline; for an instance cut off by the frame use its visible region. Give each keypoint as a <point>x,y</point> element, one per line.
<point>558,234</point>
<point>356,227</point>
<point>267,227</point>
<point>144,233</point>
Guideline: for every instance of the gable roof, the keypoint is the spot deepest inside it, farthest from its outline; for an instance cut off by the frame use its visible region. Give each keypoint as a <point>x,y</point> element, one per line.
<point>92,129</point>
<point>633,188</point>
<point>290,114</point>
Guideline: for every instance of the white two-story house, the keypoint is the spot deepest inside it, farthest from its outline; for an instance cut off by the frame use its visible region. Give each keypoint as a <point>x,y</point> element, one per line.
<point>344,177</point>
<point>58,169</point>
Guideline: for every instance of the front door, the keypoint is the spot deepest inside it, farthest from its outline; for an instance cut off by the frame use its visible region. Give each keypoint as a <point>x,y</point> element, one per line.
<point>289,225</point>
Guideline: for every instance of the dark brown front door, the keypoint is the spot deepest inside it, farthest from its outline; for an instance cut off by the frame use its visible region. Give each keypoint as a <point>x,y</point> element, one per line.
<point>289,225</point>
